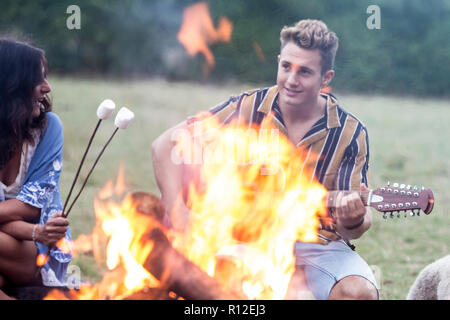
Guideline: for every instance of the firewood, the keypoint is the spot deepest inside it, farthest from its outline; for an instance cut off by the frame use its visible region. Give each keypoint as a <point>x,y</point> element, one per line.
<point>152,294</point>
<point>175,272</point>
<point>148,204</point>
<point>180,275</point>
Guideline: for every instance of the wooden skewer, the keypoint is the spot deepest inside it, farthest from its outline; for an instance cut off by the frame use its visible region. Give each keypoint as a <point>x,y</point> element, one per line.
<point>65,214</point>
<point>81,164</point>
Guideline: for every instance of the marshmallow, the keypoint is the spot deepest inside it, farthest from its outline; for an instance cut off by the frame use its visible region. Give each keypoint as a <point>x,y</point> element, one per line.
<point>105,109</point>
<point>123,118</point>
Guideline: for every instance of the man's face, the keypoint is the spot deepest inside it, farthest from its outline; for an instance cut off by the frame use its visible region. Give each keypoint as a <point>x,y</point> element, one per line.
<point>299,76</point>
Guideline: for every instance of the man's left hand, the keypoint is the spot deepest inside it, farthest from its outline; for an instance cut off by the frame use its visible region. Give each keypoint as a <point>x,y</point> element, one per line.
<point>350,210</point>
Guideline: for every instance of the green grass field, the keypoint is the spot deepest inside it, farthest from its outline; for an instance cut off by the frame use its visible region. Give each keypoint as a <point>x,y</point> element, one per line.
<point>408,144</point>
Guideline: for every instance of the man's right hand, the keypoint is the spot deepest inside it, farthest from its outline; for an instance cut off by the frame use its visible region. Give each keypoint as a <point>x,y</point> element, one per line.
<point>180,216</point>
<point>171,175</point>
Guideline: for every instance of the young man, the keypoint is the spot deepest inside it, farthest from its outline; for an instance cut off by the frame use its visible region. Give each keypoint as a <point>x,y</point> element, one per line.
<point>312,121</point>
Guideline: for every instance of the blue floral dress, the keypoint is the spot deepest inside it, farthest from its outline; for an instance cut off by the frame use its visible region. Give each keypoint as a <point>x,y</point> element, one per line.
<point>41,189</point>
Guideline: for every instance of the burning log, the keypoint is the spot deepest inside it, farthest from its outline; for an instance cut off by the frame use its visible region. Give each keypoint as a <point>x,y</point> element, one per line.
<point>152,294</point>
<point>178,274</point>
<point>174,270</point>
<point>149,205</point>
<point>174,275</point>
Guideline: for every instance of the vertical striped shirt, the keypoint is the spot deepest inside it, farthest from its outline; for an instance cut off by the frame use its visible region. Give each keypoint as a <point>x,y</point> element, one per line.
<point>336,146</point>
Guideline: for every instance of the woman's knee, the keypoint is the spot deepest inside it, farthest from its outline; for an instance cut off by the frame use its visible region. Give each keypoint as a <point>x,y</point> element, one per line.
<point>10,246</point>
<point>17,259</point>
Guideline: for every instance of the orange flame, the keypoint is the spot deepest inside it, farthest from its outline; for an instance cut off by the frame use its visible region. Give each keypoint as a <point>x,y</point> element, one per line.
<point>41,259</point>
<point>119,226</point>
<point>327,89</point>
<point>259,51</point>
<point>197,32</point>
<point>64,245</point>
<point>253,204</point>
<point>255,199</point>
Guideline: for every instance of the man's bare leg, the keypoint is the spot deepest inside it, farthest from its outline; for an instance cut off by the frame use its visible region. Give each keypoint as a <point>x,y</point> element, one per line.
<point>298,287</point>
<point>353,288</point>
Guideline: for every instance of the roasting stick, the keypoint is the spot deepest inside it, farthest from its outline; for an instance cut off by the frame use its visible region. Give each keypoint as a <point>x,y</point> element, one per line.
<point>123,118</point>
<point>122,121</point>
<point>104,110</point>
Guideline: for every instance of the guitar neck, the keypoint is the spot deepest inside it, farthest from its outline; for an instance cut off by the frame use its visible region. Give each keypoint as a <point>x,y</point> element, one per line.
<point>391,199</point>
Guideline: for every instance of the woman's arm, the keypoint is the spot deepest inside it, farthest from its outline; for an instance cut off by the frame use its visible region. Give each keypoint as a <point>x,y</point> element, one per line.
<point>42,176</point>
<point>47,234</point>
<point>13,210</point>
<point>20,230</point>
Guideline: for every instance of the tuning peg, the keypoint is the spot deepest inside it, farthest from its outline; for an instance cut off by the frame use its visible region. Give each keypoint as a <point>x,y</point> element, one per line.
<point>384,215</point>
<point>408,187</point>
<point>405,214</point>
<point>398,214</point>
<point>402,186</point>
<point>417,212</point>
<point>391,215</point>
<point>412,213</point>
<point>395,185</point>
<point>388,183</point>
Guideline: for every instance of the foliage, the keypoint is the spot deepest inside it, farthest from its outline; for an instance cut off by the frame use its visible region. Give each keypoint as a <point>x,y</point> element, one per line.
<point>408,54</point>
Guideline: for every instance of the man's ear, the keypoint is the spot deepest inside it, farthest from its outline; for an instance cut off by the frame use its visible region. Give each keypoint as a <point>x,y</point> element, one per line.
<point>327,77</point>
<point>279,58</point>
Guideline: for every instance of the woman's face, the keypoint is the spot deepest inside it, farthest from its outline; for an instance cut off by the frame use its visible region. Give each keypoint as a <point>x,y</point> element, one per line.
<point>39,93</point>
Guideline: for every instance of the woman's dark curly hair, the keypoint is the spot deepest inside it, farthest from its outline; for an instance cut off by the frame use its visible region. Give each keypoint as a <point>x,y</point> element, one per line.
<point>20,72</point>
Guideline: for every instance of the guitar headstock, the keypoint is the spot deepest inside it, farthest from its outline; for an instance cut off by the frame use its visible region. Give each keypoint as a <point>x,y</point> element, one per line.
<point>400,198</point>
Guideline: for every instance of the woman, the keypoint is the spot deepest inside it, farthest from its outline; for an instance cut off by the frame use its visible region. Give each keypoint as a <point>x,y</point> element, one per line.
<point>31,143</point>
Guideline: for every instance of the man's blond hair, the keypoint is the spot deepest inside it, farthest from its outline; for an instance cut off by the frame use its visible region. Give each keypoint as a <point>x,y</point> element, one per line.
<point>313,34</point>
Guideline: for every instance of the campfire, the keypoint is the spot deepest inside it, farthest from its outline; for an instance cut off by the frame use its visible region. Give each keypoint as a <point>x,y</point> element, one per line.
<point>249,208</point>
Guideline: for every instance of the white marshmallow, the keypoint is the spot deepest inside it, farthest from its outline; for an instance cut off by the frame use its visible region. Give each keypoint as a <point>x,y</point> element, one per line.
<point>123,118</point>
<point>105,109</point>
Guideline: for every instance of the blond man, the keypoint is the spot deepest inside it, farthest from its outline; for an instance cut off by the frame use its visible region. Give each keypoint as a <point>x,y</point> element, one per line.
<point>314,121</point>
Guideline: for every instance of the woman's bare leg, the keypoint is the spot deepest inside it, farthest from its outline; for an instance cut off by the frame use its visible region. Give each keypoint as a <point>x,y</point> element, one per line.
<point>17,262</point>
<point>3,296</point>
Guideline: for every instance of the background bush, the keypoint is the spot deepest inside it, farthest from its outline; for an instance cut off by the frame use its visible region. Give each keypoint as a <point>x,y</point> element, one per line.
<point>137,38</point>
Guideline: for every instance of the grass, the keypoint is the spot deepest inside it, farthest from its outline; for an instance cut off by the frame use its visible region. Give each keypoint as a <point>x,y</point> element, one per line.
<point>407,144</point>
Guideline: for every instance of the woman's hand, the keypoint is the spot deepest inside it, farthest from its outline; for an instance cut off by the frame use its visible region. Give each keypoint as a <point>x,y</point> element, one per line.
<point>55,229</point>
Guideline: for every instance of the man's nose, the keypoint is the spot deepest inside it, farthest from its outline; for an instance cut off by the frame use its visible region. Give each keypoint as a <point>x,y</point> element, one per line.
<point>293,79</point>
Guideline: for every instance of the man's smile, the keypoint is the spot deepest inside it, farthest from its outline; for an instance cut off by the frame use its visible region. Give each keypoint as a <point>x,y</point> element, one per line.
<point>292,92</point>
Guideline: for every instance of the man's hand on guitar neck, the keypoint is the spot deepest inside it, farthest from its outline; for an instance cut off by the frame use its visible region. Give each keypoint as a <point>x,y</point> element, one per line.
<point>352,217</point>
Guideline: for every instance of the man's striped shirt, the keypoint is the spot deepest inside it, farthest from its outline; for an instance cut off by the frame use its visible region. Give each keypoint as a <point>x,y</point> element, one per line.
<point>336,146</point>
